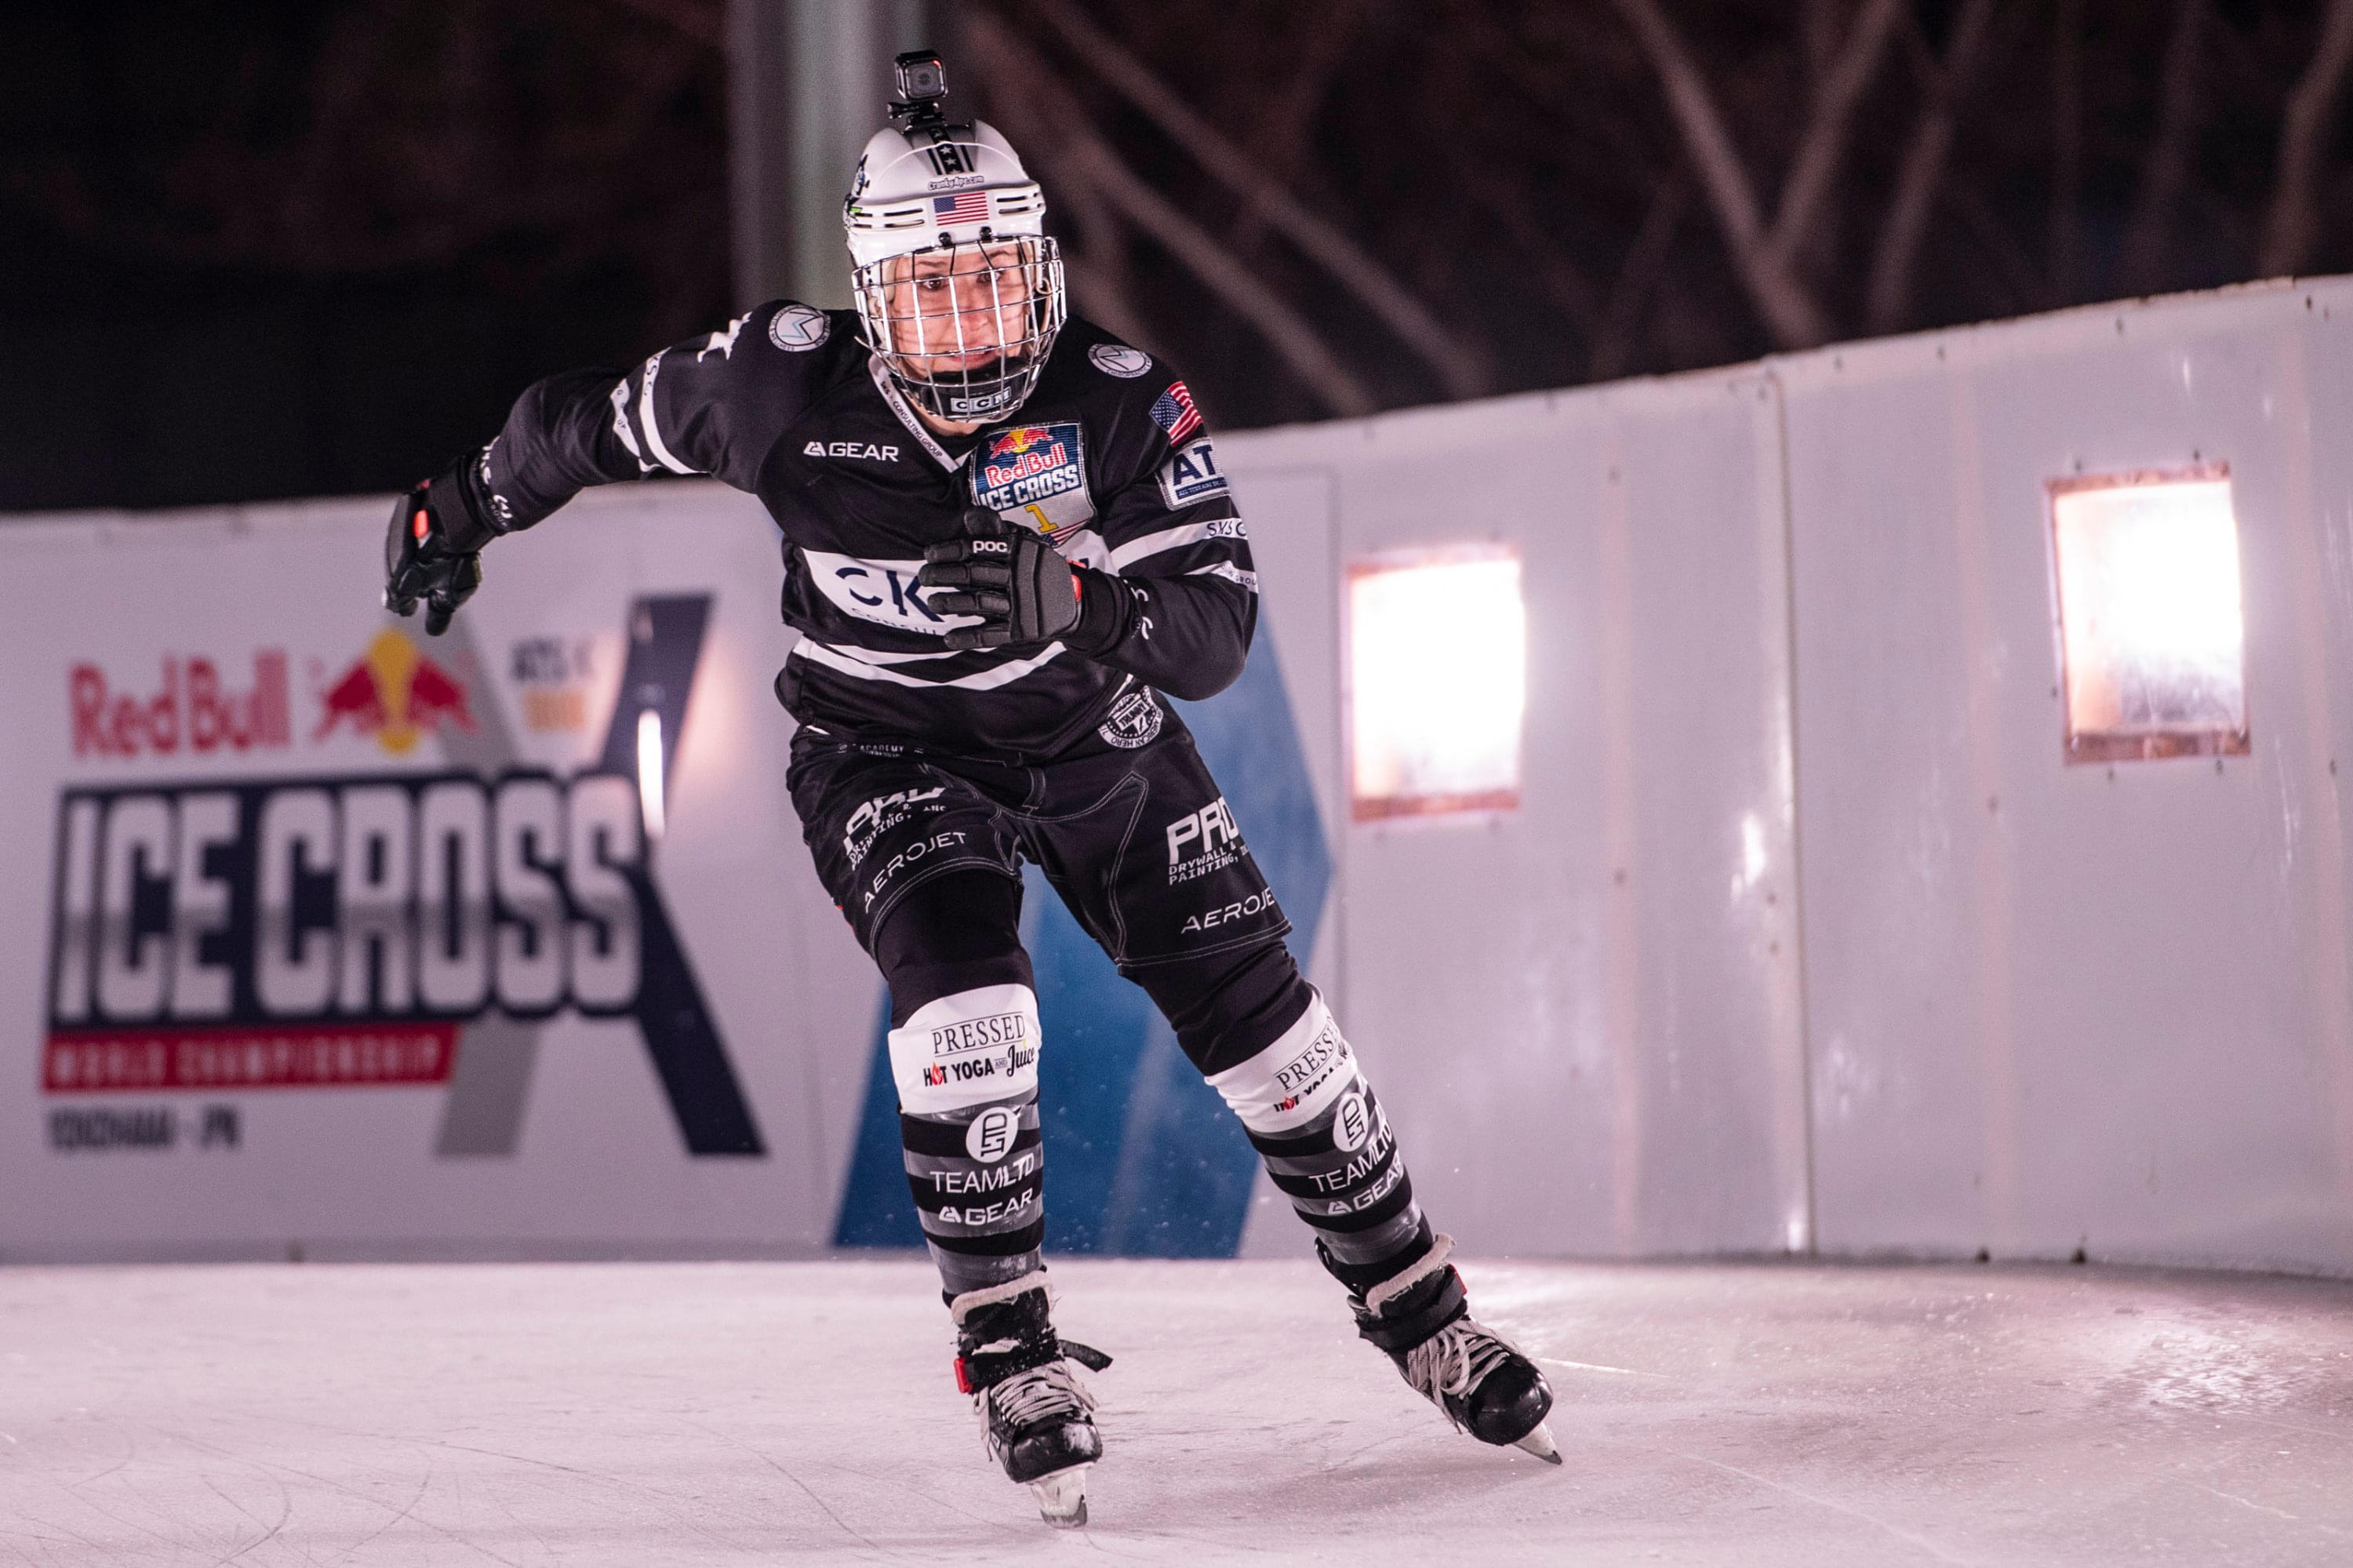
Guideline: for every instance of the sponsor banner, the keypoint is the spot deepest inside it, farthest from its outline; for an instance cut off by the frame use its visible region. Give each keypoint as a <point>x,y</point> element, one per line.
<point>328,933</point>
<point>1191,474</point>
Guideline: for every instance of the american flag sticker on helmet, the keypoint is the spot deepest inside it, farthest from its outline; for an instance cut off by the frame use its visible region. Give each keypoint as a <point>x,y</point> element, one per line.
<point>965,207</point>
<point>1175,413</point>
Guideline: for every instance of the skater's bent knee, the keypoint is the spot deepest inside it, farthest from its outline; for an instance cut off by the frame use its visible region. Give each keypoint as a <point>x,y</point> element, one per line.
<point>957,932</point>
<point>1228,1007</point>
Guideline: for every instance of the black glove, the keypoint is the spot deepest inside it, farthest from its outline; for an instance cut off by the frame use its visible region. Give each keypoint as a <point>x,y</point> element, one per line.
<point>433,551</point>
<point>1020,587</point>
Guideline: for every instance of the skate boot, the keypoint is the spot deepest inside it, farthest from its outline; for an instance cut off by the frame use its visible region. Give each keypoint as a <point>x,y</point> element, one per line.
<point>1038,1418</point>
<point>1421,1317</point>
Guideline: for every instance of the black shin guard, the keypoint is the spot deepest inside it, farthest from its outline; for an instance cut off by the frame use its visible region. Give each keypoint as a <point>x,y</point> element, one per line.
<point>963,1057</point>
<point>1265,1042</point>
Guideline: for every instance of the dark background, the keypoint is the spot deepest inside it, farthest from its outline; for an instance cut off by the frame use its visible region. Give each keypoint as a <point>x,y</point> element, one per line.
<point>254,249</point>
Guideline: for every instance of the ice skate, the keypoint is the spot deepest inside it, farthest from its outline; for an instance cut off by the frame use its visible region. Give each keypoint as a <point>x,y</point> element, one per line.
<point>1037,1418</point>
<point>1478,1379</point>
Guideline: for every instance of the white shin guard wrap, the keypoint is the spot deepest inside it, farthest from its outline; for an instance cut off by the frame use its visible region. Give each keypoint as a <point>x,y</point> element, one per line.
<point>1325,1138</point>
<point>965,1067</point>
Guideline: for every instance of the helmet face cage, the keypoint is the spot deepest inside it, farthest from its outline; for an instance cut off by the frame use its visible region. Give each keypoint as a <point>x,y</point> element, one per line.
<point>928,312</point>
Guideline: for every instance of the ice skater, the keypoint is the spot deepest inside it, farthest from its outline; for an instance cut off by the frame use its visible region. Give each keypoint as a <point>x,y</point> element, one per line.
<point>1005,536</point>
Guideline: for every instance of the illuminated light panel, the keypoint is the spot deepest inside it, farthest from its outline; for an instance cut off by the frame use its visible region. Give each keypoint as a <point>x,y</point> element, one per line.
<point>2152,643</point>
<point>1436,682</point>
<point>649,772</point>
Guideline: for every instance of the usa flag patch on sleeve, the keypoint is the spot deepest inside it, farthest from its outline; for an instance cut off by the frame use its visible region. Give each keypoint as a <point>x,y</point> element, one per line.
<point>1175,413</point>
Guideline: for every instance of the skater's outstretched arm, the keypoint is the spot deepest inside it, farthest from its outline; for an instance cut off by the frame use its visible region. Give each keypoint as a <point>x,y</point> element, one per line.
<point>714,403</point>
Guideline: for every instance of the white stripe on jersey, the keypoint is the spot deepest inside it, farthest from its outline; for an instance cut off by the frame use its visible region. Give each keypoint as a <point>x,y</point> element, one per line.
<point>646,418</point>
<point>621,420</point>
<point>1084,547</point>
<point>1228,570</point>
<point>856,662</point>
<point>1173,538</point>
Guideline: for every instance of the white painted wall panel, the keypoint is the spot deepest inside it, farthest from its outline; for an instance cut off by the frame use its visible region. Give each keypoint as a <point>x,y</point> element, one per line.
<point>1582,1013</point>
<point>2056,1006</point>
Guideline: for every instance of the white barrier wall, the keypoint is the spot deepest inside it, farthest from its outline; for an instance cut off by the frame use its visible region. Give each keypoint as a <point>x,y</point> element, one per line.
<point>2058,1006</point>
<point>1582,1014</point>
<point>1802,934</point>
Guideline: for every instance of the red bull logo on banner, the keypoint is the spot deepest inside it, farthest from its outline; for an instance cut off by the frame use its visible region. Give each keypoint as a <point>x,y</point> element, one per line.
<point>193,709</point>
<point>395,693</point>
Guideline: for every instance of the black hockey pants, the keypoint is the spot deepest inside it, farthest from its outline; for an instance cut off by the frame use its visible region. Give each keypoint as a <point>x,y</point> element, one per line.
<point>923,854</point>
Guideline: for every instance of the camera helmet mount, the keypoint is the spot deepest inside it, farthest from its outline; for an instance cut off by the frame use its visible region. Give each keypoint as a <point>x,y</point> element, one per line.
<point>959,288</point>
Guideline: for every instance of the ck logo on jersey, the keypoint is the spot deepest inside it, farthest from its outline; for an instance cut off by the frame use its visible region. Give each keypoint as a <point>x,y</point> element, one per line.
<point>885,592</point>
<point>1025,468</point>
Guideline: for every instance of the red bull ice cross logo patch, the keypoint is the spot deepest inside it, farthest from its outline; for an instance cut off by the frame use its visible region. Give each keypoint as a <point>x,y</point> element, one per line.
<point>1037,469</point>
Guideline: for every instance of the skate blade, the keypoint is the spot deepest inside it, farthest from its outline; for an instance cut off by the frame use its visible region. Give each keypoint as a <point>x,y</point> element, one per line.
<point>1539,1443</point>
<point>1062,1497</point>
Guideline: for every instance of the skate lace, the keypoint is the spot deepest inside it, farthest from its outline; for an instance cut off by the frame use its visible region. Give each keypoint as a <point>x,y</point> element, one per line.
<point>1454,1361</point>
<point>1041,1393</point>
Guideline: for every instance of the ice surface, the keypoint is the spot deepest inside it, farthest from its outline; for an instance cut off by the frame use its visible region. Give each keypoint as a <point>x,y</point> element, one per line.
<point>763,1413</point>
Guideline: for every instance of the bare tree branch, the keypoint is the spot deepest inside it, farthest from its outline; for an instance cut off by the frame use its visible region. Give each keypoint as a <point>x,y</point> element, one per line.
<point>2140,265</point>
<point>1290,120</point>
<point>1457,367</point>
<point>1808,187</point>
<point>1889,296</point>
<point>1551,266</point>
<point>1820,23</point>
<point>1099,275</point>
<point>1083,154</point>
<point>2010,262</point>
<point>2294,226</point>
<point>1789,311</point>
<point>1638,276</point>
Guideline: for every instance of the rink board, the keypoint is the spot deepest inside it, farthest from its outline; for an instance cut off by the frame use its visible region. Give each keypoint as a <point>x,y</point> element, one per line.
<point>1802,936</point>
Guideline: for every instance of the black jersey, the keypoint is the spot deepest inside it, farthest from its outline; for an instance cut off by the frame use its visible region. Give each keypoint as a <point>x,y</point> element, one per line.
<point>1108,459</point>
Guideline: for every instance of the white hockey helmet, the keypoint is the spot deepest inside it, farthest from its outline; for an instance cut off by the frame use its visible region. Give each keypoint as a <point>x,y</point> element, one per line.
<point>958,285</point>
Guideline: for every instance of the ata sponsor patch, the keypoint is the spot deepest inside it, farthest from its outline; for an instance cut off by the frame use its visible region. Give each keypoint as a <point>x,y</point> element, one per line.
<point>1135,721</point>
<point>1191,474</point>
<point>1031,466</point>
<point>797,329</point>
<point>1118,359</point>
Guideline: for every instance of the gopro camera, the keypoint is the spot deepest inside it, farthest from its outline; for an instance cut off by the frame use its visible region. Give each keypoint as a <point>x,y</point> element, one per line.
<point>922,81</point>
